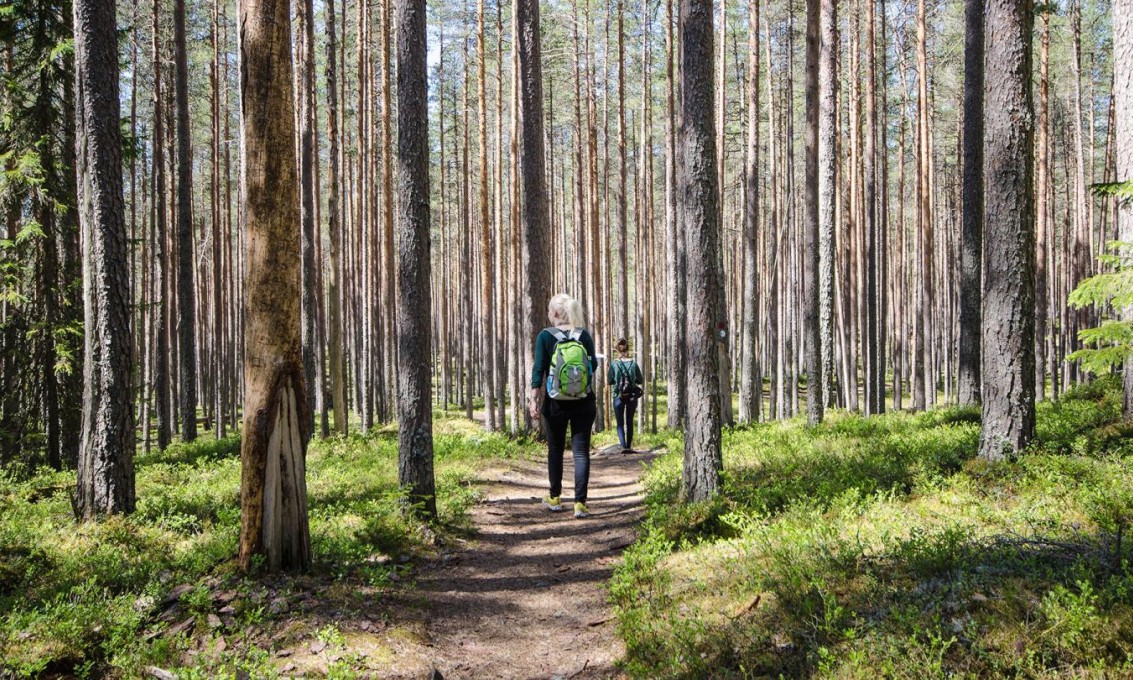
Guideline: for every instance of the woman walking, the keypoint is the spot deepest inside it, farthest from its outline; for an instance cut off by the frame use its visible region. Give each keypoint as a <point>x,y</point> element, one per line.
<point>625,379</point>
<point>562,393</point>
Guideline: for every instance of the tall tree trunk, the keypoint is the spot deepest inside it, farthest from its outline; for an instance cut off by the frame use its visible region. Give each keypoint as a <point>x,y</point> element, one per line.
<point>106,455</point>
<point>1123,119</point>
<point>1008,367</point>
<point>971,253</point>
<point>533,188</point>
<point>186,264</point>
<point>676,360</point>
<point>414,402</point>
<point>827,192</point>
<point>161,263</point>
<point>815,403</point>
<point>308,154</point>
<point>699,215</point>
<point>751,396</point>
<point>621,255</point>
<point>487,333</point>
<point>874,373</point>
<point>334,226</point>
<point>273,486</point>
<point>1042,210</point>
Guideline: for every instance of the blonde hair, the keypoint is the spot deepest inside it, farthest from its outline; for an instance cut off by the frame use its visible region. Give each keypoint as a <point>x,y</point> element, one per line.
<point>564,308</point>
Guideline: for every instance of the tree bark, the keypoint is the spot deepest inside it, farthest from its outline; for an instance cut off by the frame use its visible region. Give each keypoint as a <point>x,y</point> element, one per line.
<point>971,253</point>
<point>827,191</point>
<point>815,404</point>
<point>1008,325</point>
<point>533,188</point>
<point>676,332</point>
<point>308,155</point>
<point>106,455</point>
<point>1123,119</point>
<point>698,212</point>
<point>414,395</point>
<point>334,226</point>
<point>186,261</point>
<point>273,487</point>
<point>751,392</point>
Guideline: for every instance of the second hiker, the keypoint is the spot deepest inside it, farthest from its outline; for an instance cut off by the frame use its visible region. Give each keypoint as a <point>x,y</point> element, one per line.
<point>625,379</point>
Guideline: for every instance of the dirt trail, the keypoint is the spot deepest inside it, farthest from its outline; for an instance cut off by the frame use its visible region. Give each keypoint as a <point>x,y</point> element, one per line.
<point>525,597</point>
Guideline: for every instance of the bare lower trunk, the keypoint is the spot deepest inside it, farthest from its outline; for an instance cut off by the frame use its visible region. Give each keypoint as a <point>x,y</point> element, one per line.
<point>1123,117</point>
<point>1009,268</point>
<point>186,265</point>
<point>811,329</point>
<point>273,493</point>
<point>533,200</point>
<point>106,453</point>
<point>699,216</point>
<point>414,397</point>
<point>971,252</point>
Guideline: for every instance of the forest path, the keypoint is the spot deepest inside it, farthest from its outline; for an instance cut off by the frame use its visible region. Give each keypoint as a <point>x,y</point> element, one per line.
<point>525,596</point>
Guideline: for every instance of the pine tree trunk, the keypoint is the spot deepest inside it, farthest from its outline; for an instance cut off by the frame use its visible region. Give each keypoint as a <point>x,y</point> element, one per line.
<point>973,220</point>
<point>334,227</point>
<point>186,261</point>
<point>676,362</point>
<point>160,264</point>
<point>414,400</point>
<point>751,396</point>
<point>815,403</point>
<point>1123,119</point>
<point>273,487</point>
<point>308,153</point>
<point>699,216</point>
<point>533,199</point>
<point>106,454</point>
<point>487,333</point>
<point>1009,269</point>
<point>1042,211</point>
<point>827,192</point>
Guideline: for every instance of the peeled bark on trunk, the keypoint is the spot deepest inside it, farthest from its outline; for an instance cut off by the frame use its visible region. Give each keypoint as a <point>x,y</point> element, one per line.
<point>971,252</point>
<point>273,488</point>
<point>1123,118</point>
<point>106,454</point>
<point>1008,367</point>
<point>186,264</point>
<point>699,219</point>
<point>414,294</point>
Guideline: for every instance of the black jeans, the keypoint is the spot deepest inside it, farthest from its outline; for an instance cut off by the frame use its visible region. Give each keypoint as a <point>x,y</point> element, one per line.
<point>579,415</point>
<point>623,411</point>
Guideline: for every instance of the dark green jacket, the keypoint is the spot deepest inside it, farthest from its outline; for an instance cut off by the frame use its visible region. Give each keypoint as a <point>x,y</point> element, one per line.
<point>611,380</point>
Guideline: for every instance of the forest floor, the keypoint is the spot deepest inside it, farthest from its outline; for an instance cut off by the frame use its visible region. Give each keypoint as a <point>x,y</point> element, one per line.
<point>524,596</point>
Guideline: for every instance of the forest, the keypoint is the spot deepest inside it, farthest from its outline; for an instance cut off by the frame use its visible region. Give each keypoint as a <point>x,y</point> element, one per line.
<point>273,274</point>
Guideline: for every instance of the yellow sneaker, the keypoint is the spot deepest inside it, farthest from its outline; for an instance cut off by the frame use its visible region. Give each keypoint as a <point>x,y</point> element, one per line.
<point>553,503</point>
<point>580,511</point>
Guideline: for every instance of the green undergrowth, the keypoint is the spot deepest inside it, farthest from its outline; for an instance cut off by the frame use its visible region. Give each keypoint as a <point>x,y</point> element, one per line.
<point>882,547</point>
<point>85,600</point>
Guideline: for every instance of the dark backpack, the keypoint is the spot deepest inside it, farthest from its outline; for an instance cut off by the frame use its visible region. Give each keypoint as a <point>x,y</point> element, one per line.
<point>624,384</point>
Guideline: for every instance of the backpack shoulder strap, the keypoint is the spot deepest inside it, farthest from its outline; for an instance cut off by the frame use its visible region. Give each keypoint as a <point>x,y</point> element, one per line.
<point>556,333</point>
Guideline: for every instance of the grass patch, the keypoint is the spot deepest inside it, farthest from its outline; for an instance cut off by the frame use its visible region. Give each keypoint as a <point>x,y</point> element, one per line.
<point>88,600</point>
<point>881,548</point>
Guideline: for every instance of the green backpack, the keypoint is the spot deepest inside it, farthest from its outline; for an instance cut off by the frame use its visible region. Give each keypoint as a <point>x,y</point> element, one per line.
<point>570,377</point>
